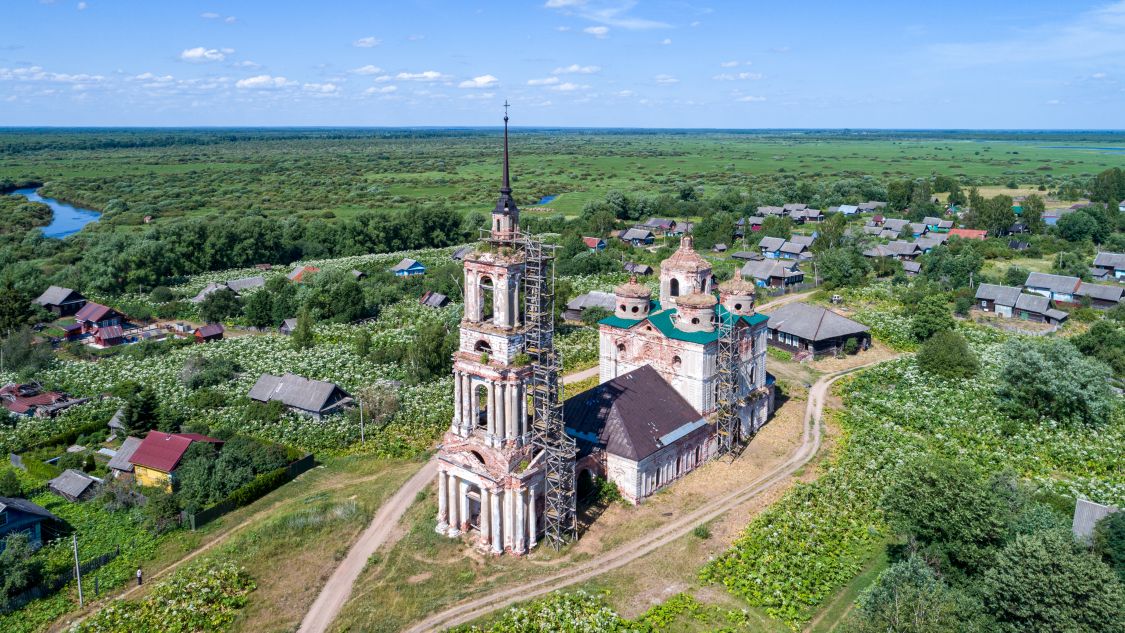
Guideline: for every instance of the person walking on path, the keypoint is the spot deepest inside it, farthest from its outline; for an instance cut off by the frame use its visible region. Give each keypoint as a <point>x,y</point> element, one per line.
<point>140,577</point>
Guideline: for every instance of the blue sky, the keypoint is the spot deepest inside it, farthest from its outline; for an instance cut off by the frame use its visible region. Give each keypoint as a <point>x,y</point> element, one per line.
<point>656,63</point>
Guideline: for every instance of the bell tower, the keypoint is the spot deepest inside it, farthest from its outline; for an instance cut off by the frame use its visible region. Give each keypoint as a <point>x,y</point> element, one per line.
<point>489,484</point>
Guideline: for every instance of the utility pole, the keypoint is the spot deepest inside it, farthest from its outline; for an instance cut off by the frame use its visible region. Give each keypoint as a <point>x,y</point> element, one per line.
<point>77,569</point>
<point>362,435</point>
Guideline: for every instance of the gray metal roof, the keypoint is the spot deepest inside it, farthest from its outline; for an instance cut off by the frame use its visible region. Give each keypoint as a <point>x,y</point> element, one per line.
<point>56,295</point>
<point>1002,295</point>
<point>23,505</point>
<point>208,289</point>
<point>632,416</point>
<point>895,224</point>
<point>1032,303</point>
<point>1104,293</point>
<point>848,208</point>
<point>594,299</point>
<point>872,230</point>
<point>931,220</point>
<point>918,228</point>
<point>297,392</point>
<point>807,240</point>
<point>1086,517</point>
<point>405,264</point>
<point>793,248</point>
<point>912,267</point>
<point>771,243</point>
<point>636,233</point>
<point>767,268</point>
<point>246,283</point>
<point>72,483</point>
<point>121,461</point>
<point>116,421</point>
<point>812,323</point>
<point>1054,283</point>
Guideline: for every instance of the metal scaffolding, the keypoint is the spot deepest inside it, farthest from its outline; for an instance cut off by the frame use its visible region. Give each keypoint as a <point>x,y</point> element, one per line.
<point>547,424</point>
<point>726,417</point>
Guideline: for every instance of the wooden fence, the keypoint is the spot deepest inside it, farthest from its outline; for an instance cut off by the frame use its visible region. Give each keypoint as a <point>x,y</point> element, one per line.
<point>51,585</point>
<point>248,493</point>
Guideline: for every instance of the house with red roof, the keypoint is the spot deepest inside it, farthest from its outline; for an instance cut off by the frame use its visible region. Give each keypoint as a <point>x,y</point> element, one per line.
<point>209,332</point>
<point>301,273</point>
<point>969,234</point>
<point>109,335</point>
<point>94,315</point>
<point>159,455</point>
<point>30,399</point>
<point>595,244</point>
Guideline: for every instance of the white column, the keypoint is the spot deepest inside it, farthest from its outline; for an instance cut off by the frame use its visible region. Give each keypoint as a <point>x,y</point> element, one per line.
<point>456,400</point>
<point>521,520</point>
<point>443,502</point>
<point>532,520</point>
<point>468,414</point>
<point>485,517</point>
<point>510,407</point>
<point>509,516</point>
<point>497,535</point>
<point>493,420</point>
<point>510,423</point>
<point>463,499</point>
<point>521,408</point>
<point>454,506</point>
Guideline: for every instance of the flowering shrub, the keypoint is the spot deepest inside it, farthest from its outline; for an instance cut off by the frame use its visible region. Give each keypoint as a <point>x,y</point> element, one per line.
<point>793,555</point>
<point>578,347</point>
<point>194,600</point>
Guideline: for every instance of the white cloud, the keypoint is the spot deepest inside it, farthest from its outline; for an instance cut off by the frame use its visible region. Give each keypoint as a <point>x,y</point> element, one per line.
<point>575,69</point>
<point>201,54</point>
<point>209,15</point>
<point>625,93</point>
<point>427,75</point>
<point>666,79</point>
<point>737,76</point>
<point>1098,76</point>
<point>1054,102</point>
<point>730,64</point>
<point>1092,34</point>
<point>264,82</point>
<point>36,73</point>
<point>666,41</point>
<point>246,63</point>
<point>695,23</point>
<point>82,6</point>
<point>380,90</point>
<point>479,95</point>
<point>562,29</point>
<point>366,42</point>
<point>369,69</point>
<point>751,99</point>
<point>600,32</point>
<point>483,81</point>
<point>546,81</point>
<point>415,38</point>
<point>230,19</point>
<point>568,87</point>
<point>153,78</point>
<point>324,89</point>
<point>611,14</point>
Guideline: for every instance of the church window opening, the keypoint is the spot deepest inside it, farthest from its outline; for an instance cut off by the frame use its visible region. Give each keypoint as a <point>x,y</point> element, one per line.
<point>487,297</point>
<point>674,288</point>
<point>482,406</point>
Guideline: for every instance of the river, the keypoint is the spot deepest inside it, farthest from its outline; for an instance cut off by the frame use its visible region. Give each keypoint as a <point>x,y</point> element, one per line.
<point>66,219</point>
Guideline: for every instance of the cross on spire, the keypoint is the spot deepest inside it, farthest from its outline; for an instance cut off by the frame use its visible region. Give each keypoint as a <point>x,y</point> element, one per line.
<point>506,205</point>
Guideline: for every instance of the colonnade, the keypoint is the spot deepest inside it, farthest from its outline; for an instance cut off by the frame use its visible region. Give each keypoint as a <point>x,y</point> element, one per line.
<point>505,514</point>
<point>506,407</point>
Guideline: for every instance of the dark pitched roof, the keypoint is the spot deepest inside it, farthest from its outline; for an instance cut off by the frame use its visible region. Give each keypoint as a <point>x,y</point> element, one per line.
<point>123,459</point>
<point>460,253</point>
<point>93,312</point>
<point>57,295</point>
<point>71,483</point>
<point>1110,260</point>
<point>1003,295</point>
<point>640,269</point>
<point>1105,293</point>
<point>812,323</point>
<point>433,299</point>
<point>110,332</point>
<point>632,416</point>
<point>636,233</point>
<point>767,268</point>
<point>771,243</point>
<point>296,391</point>
<point>23,505</point>
<point>406,264</point>
<point>1054,283</point>
<point>592,299</point>
<point>211,329</point>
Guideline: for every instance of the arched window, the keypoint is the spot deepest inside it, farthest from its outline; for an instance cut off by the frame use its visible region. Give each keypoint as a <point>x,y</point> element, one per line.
<point>485,293</point>
<point>483,347</point>
<point>621,348</point>
<point>676,362</point>
<point>674,287</point>
<point>635,309</point>
<point>480,458</point>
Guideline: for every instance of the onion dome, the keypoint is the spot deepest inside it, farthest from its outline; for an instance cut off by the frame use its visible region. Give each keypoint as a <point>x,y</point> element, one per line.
<point>685,259</point>
<point>633,288</point>
<point>696,300</point>
<point>695,312</point>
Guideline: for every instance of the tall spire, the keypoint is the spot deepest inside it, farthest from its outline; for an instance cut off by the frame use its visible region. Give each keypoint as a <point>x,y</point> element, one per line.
<point>506,205</point>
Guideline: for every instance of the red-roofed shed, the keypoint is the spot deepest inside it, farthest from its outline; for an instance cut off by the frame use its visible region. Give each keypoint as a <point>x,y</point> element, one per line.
<point>969,234</point>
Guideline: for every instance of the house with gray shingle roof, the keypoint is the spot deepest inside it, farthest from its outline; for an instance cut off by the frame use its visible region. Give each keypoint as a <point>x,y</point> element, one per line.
<point>120,464</point>
<point>1011,302</point>
<point>1112,263</point>
<point>638,236</point>
<point>61,301</point>
<point>73,485</point>
<point>1087,515</point>
<point>771,246</point>
<point>773,273</point>
<point>1054,287</point>
<point>316,398</point>
<point>1101,297</point>
<point>21,515</point>
<point>809,329</point>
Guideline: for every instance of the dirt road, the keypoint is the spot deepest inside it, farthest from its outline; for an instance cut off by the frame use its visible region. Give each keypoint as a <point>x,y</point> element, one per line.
<point>468,611</point>
<point>381,531</point>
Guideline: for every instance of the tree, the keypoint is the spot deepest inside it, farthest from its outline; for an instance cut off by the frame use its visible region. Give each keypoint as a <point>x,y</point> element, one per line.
<point>258,309</point>
<point>1109,541</point>
<point>949,509</point>
<point>947,354</point>
<point>1105,341</point>
<point>1046,583</point>
<point>831,233</point>
<point>362,343</point>
<point>302,335</point>
<point>931,317</point>
<point>9,483</point>
<point>139,413</point>
<point>1079,226</point>
<point>994,214</point>
<point>18,569</point>
<point>23,354</point>
<point>1033,208</point>
<point>1049,379</point>
<point>842,267</point>
<point>592,315</point>
<point>1016,275</point>
<point>908,597</point>
<point>220,305</point>
<point>15,306</point>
